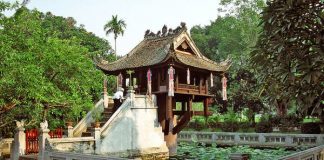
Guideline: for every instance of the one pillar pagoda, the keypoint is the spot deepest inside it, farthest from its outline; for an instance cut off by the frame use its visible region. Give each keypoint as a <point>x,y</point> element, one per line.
<point>169,65</point>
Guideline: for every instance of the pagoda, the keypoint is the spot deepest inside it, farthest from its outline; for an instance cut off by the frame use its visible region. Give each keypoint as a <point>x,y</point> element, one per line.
<point>169,65</point>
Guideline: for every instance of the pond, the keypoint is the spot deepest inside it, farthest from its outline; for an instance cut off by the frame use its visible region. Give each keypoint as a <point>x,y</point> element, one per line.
<point>203,152</point>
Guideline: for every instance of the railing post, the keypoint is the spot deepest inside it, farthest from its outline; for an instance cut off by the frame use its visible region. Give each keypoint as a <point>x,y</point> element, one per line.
<point>97,140</point>
<point>236,138</point>
<point>70,131</point>
<point>319,139</point>
<point>262,139</point>
<point>43,135</point>
<point>289,140</point>
<point>19,144</point>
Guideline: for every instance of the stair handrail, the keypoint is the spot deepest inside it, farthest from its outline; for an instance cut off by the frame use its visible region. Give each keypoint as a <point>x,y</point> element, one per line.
<point>123,106</point>
<point>86,119</point>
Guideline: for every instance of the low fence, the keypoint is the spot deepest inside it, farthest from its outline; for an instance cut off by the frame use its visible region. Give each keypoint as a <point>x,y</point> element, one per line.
<point>5,145</point>
<point>316,153</point>
<point>253,139</point>
<point>50,155</point>
<point>73,145</point>
<point>32,135</point>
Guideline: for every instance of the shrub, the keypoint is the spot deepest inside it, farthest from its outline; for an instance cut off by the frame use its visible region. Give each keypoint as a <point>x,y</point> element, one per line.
<point>213,121</point>
<point>311,128</point>
<point>245,126</point>
<point>230,126</point>
<point>198,123</point>
<point>263,127</point>
<point>275,120</point>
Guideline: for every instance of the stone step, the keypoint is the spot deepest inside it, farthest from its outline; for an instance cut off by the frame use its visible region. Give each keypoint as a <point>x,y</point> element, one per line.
<point>106,114</point>
<point>86,134</point>
<point>28,157</point>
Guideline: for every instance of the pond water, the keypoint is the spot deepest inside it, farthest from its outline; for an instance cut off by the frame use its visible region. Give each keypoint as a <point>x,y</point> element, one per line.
<point>203,152</point>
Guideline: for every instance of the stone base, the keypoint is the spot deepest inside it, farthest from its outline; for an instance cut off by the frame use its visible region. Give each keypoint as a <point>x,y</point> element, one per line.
<point>151,153</point>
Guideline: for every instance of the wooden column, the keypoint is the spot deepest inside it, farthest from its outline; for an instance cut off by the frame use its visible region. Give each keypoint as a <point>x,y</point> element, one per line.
<point>183,106</point>
<point>158,80</point>
<point>200,84</point>
<point>189,104</point>
<point>206,107</point>
<point>206,85</point>
<point>176,82</point>
<point>169,115</point>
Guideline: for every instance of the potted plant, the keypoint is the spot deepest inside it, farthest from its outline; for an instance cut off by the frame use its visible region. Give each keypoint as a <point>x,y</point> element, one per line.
<point>72,115</point>
<point>96,115</point>
<point>69,119</point>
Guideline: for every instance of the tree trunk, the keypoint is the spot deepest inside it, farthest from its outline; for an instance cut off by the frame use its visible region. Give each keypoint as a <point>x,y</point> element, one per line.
<point>116,60</point>
<point>281,107</point>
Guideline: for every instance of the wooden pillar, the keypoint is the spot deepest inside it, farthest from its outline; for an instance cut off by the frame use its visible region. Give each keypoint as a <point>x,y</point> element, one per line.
<point>176,82</point>
<point>158,80</point>
<point>168,107</point>
<point>140,81</point>
<point>200,84</point>
<point>206,86</point>
<point>183,106</point>
<point>206,107</point>
<point>168,115</point>
<point>189,104</point>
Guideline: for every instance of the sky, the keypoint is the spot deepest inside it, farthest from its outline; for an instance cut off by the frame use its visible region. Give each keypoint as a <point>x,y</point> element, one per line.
<point>139,15</point>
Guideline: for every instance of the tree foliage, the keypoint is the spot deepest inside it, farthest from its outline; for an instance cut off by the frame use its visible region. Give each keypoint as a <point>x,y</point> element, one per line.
<point>115,26</point>
<point>234,35</point>
<point>289,55</point>
<point>46,67</point>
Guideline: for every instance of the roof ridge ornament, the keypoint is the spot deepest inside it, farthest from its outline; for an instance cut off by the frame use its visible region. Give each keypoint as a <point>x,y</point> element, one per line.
<point>164,32</point>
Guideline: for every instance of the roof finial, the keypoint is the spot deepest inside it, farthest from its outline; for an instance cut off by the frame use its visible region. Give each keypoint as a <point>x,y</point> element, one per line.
<point>183,25</point>
<point>164,30</point>
<point>146,33</point>
<point>158,34</point>
<point>170,32</point>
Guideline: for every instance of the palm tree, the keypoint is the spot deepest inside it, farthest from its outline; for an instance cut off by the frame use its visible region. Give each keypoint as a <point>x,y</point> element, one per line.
<point>115,26</point>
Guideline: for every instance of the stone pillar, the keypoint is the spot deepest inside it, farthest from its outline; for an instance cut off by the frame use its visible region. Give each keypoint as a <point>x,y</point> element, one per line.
<point>262,138</point>
<point>131,93</point>
<point>97,140</point>
<point>236,138</point>
<point>19,145</point>
<point>70,131</point>
<point>171,140</point>
<point>105,93</point>
<point>43,136</point>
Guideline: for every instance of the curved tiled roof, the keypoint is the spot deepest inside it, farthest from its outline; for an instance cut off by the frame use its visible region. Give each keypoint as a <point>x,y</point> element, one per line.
<point>147,53</point>
<point>155,49</point>
<point>203,62</point>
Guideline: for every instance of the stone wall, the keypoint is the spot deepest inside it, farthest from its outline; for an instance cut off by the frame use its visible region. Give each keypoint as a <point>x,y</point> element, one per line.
<point>134,129</point>
<point>72,145</point>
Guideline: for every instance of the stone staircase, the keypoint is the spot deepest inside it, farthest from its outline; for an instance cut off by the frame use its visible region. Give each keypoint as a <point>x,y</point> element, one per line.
<point>106,114</point>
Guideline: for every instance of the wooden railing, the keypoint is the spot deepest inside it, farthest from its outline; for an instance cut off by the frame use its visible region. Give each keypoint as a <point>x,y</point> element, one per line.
<point>32,141</point>
<point>186,88</point>
<point>57,133</point>
<point>253,139</point>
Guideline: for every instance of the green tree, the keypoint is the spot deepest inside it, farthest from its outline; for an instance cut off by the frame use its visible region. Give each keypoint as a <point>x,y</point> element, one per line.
<point>115,26</point>
<point>45,68</point>
<point>233,35</point>
<point>289,54</point>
